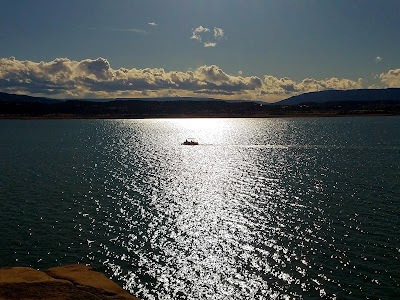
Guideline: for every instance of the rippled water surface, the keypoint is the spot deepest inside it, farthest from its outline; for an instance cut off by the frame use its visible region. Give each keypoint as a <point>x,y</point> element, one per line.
<point>261,209</point>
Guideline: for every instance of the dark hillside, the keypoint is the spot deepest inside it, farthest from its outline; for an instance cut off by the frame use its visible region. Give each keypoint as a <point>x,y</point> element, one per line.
<point>341,96</point>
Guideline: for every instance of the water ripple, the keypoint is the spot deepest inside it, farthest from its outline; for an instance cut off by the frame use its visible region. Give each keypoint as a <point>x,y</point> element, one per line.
<point>262,209</point>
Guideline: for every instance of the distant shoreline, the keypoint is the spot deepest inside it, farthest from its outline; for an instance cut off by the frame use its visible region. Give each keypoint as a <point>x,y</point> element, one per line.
<point>376,103</point>
<point>261,116</point>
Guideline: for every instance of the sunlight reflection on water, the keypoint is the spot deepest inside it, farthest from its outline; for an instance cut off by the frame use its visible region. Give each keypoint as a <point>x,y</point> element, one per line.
<point>261,209</point>
<point>210,221</point>
<point>244,215</point>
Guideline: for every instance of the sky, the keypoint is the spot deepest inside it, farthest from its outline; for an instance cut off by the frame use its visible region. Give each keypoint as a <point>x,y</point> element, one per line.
<point>229,49</point>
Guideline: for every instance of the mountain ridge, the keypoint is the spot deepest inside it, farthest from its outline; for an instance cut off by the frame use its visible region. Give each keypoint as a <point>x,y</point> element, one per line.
<point>365,95</point>
<point>6,97</point>
<point>318,97</point>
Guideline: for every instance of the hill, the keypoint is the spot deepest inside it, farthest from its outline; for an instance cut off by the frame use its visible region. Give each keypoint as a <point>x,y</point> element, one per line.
<point>4,97</point>
<point>362,95</point>
<point>330,104</point>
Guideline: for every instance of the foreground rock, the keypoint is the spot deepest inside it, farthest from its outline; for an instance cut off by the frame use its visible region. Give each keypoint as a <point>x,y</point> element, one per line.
<point>66,282</point>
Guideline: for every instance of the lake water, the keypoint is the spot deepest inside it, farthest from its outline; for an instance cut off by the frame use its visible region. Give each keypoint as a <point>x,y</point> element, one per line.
<point>261,209</point>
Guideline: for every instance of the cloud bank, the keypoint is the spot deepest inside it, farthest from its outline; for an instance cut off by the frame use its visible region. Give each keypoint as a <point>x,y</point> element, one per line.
<point>391,79</point>
<point>88,78</point>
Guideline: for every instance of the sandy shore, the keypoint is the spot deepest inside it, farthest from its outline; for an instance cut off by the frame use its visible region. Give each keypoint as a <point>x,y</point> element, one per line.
<point>65,282</point>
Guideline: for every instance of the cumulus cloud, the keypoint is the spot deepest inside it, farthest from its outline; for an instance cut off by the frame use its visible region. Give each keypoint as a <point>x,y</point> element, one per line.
<point>198,32</point>
<point>209,37</point>
<point>63,77</point>
<point>218,33</point>
<point>378,59</point>
<point>209,44</point>
<point>97,69</point>
<point>96,77</point>
<point>391,79</point>
<point>274,85</point>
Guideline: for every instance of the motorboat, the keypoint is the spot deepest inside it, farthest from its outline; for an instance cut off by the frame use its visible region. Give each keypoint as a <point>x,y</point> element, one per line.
<point>190,142</point>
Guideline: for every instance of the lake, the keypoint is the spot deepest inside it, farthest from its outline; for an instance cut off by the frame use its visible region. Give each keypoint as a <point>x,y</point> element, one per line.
<point>302,208</point>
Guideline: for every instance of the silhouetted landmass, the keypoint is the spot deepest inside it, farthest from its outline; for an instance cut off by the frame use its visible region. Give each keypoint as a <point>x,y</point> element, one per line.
<point>186,107</point>
<point>127,109</point>
<point>4,97</point>
<point>362,95</point>
<point>168,99</point>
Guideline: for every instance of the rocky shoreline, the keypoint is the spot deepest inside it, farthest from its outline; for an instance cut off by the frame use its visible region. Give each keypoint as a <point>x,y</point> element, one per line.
<point>65,282</point>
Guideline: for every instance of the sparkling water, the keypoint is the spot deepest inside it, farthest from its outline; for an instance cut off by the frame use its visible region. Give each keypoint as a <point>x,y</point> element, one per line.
<point>260,209</point>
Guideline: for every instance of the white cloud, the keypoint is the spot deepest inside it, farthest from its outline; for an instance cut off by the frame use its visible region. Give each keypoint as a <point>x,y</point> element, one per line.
<point>133,30</point>
<point>198,32</point>
<point>154,24</point>
<point>218,33</point>
<point>391,78</point>
<point>378,59</point>
<point>209,44</point>
<point>63,77</point>
<point>274,85</point>
<point>96,78</point>
<point>206,36</point>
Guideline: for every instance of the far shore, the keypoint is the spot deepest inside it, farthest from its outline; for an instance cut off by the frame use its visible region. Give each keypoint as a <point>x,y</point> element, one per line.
<point>225,116</point>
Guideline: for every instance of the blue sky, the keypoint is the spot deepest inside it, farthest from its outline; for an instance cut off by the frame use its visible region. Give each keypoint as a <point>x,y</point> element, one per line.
<point>280,42</point>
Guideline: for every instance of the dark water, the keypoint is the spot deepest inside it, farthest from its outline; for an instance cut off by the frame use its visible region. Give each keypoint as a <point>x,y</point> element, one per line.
<point>262,209</point>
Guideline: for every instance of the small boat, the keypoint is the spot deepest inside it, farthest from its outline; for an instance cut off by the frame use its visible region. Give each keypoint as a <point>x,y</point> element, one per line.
<point>190,142</point>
